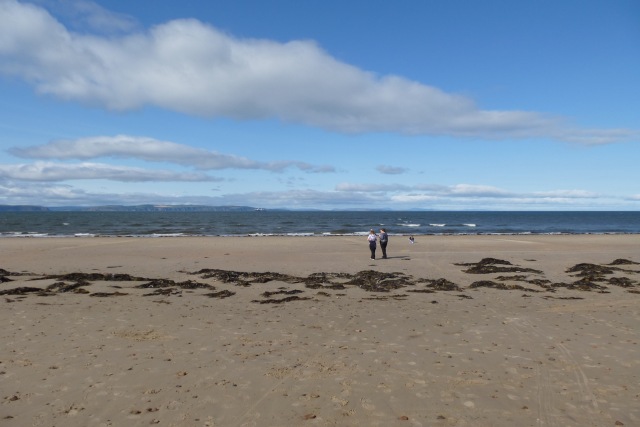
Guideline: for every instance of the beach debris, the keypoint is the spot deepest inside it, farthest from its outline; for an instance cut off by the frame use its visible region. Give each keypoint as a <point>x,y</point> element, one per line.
<point>590,270</point>
<point>165,283</point>
<point>65,287</point>
<point>244,278</point>
<point>591,273</point>
<point>22,290</point>
<point>496,285</point>
<point>221,294</point>
<point>422,291</point>
<point>442,285</point>
<point>281,292</point>
<point>386,297</point>
<point>619,261</point>
<point>107,294</point>
<point>543,283</point>
<point>164,292</point>
<point>584,284</point>
<point>591,277</point>
<point>493,265</point>
<point>375,281</point>
<point>325,280</point>
<point>623,282</point>
<point>586,269</point>
<point>334,286</point>
<point>280,301</point>
<point>96,277</point>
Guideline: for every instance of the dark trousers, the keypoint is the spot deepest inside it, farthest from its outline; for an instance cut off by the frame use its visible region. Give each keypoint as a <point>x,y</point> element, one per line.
<point>383,246</point>
<point>372,246</point>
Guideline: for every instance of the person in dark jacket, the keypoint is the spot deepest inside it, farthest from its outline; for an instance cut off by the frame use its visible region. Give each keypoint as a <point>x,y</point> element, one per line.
<point>384,239</point>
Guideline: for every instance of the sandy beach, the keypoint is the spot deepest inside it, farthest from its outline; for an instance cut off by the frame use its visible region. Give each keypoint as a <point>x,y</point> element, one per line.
<point>308,331</point>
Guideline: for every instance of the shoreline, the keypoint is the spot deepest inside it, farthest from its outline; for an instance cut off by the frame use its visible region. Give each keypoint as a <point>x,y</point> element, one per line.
<point>300,234</point>
<point>303,331</point>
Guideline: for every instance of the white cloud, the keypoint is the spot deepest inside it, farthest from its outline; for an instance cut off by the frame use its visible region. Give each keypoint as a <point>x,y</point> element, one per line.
<point>467,190</point>
<point>47,171</point>
<point>391,170</point>
<point>60,195</point>
<point>567,194</point>
<point>193,68</point>
<point>83,13</point>
<point>431,192</point>
<point>370,188</point>
<point>152,150</point>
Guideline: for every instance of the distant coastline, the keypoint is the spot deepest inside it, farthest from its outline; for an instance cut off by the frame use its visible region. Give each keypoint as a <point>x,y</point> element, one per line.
<point>124,208</point>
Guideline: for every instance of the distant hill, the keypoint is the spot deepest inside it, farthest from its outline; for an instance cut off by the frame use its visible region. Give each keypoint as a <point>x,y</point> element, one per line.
<point>122,208</point>
<point>22,208</point>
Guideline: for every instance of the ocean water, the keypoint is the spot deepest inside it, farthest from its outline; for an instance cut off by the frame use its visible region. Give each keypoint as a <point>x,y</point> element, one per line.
<point>258,223</point>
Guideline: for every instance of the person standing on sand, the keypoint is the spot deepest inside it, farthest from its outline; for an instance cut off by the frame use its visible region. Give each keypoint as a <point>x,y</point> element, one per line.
<point>384,239</point>
<point>372,243</point>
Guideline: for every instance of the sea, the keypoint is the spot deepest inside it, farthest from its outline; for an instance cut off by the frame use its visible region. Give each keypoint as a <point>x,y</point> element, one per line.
<point>311,223</point>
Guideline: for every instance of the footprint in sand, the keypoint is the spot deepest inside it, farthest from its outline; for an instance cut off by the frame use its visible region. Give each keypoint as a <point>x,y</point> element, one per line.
<point>339,401</point>
<point>366,404</point>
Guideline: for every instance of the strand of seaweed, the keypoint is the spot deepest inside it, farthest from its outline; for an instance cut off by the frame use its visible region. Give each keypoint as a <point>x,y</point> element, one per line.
<point>591,277</point>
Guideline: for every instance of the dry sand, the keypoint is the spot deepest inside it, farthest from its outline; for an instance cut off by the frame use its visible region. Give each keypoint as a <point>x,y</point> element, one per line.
<point>104,354</point>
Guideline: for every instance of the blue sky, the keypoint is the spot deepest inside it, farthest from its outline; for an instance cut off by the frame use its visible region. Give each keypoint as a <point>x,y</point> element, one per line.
<point>415,104</point>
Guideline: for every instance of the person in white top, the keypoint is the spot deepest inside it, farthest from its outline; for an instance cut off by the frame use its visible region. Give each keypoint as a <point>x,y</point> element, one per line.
<point>372,238</point>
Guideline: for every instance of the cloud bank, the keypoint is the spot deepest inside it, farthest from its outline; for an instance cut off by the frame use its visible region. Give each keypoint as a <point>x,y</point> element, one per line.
<point>347,197</point>
<point>153,150</point>
<point>47,171</point>
<point>193,68</point>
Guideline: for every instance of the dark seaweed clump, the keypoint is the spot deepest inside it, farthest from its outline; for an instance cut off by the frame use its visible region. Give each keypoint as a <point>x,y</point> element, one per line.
<point>592,271</point>
<point>503,286</point>
<point>108,294</point>
<point>96,277</point>
<point>280,301</point>
<point>163,292</point>
<point>243,278</point>
<point>221,294</point>
<point>591,274</point>
<point>442,285</point>
<point>166,283</point>
<point>621,261</point>
<point>325,280</point>
<point>623,282</point>
<point>493,265</point>
<point>22,290</point>
<point>375,281</point>
<point>282,292</point>
<point>63,287</point>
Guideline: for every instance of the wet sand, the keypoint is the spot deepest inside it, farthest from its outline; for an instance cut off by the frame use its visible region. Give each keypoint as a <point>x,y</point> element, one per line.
<point>449,331</point>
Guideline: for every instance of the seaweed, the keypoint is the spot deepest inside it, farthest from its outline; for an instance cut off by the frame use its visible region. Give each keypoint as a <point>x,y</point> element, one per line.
<point>493,265</point>
<point>221,294</point>
<point>283,300</point>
